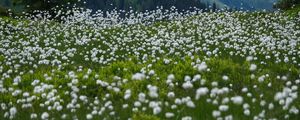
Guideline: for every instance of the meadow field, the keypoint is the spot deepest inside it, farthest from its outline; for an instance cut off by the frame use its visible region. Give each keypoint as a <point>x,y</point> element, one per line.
<point>160,64</point>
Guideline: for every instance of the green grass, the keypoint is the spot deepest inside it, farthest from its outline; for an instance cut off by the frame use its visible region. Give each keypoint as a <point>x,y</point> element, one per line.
<point>237,71</point>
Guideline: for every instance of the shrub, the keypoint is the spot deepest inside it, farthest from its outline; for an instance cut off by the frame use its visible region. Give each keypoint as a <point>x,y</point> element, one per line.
<point>3,11</point>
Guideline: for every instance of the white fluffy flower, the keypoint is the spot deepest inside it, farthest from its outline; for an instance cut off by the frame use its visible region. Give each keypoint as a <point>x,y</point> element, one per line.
<point>223,108</point>
<point>249,58</point>
<point>127,94</point>
<point>33,116</point>
<point>187,85</point>
<point>237,100</point>
<point>247,112</point>
<point>152,91</point>
<point>186,118</point>
<point>151,72</point>
<point>166,61</point>
<point>190,104</point>
<point>202,67</point>
<point>13,111</point>
<point>201,92</point>
<point>171,77</point>
<point>196,77</point>
<point>137,104</point>
<point>171,95</point>
<point>59,108</point>
<point>142,97</point>
<point>169,115</point>
<point>253,67</point>
<point>138,76</point>
<point>44,116</point>
<point>225,78</point>
<point>89,116</point>
<point>216,113</point>
<point>156,110</point>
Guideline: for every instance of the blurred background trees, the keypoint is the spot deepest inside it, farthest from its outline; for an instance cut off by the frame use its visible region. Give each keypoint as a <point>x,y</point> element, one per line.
<point>3,11</point>
<point>138,5</point>
<point>142,5</point>
<point>30,5</point>
<point>286,4</point>
<point>18,6</point>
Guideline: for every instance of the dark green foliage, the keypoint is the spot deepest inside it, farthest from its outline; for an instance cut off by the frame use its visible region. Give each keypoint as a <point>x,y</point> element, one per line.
<point>214,7</point>
<point>105,5</point>
<point>286,4</point>
<point>142,5</point>
<point>3,11</point>
<point>31,5</point>
<point>4,4</point>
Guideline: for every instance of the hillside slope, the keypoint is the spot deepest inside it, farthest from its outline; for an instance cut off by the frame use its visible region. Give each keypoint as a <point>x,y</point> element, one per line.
<point>227,65</point>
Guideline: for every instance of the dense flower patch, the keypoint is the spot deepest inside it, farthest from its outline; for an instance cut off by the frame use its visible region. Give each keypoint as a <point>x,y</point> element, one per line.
<point>153,65</point>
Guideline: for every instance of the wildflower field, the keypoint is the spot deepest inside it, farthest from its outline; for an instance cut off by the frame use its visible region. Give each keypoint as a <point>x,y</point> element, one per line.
<point>160,64</point>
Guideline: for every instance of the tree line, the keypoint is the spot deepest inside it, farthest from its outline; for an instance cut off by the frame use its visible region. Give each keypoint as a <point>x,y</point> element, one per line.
<point>138,5</point>
<point>142,5</point>
<point>18,6</point>
<point>286,4</point>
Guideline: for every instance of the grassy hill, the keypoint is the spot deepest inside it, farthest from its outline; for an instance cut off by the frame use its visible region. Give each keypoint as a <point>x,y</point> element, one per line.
<point>230,65</point>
